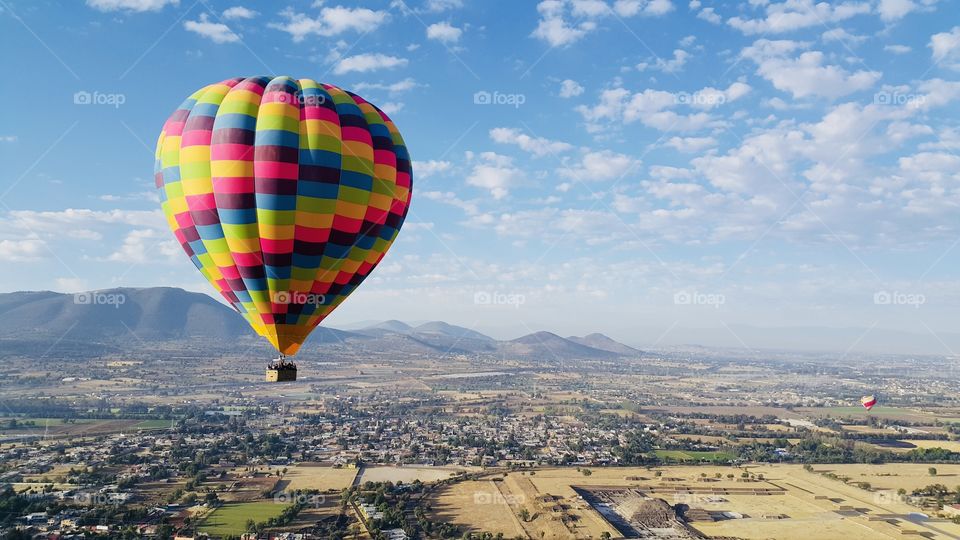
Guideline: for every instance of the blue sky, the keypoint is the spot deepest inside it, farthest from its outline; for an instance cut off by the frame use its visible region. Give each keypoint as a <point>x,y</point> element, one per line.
<point>579,165</point>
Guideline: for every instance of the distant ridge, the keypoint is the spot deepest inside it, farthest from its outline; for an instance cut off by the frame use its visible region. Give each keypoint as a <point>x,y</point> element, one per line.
<point>604,343</point>
<point>128,319</point>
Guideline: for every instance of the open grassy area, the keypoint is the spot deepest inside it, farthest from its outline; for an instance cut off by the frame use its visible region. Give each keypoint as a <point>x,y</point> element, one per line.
<point>691,455</point>
<point>231,519</point>
<point>152,424</point>
<point>312,476</point>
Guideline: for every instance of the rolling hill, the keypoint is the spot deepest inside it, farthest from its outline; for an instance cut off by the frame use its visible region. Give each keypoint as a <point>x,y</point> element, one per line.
<point>126,319</point>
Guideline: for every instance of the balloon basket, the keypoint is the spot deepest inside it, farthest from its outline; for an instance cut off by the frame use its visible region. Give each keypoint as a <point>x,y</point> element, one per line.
<point>281,371</point>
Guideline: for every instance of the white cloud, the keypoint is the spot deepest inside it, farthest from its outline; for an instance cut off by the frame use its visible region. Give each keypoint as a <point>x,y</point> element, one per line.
<point>391,107</point>
<point>892,10</point>
<point>22,250</point>
<point>332,21</point>
<point>426,169</point>
<point>143,245</point>
<point>496,173</point>
<point>8,138</point>
<point>598,166</point>
<point>570,88</point>
<point>897,49</point>
<point>563,22</point>
<point>710,15</point>
<point>438,6</point>
<point>216,32</point>
<point>946,47</point>
<point>239,12</point>
<point>363,63</point>
<point>691,144</point>
<point>445,32</point>
<point>805,75</point>
<point>71,285</point>
<point>552,27</point>
<point>54,222</point>
<point>674,64</point>
<point>538,146</point>
<point>791,15</point>
<point>839,34</point>
<point>450,198</point>
<point>653,107</point>
<point>397,87</point>
<point>131,5</point>
<point>653,8</point>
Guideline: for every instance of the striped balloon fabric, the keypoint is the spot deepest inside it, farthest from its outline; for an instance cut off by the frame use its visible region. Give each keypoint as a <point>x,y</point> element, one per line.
<point>285,194</point>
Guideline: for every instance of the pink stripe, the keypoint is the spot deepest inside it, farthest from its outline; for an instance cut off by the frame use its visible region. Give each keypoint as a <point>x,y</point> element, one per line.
<point>205,201</point>
<point>233,184</point>
<point>231,152</point>
<point>184,220</point>
<point>321,113</point>
<point>375,215</point>
<point>353,133</point>
<point>311,234</point>
<point>248,259</point>
<point>276,169</point>
<point>385,157</point>
<point>403,179</point>
<point>345,224</point>
<point>174,128</point>
<point>230,272</point>
<point>276,246</point>
<point>196,137</point>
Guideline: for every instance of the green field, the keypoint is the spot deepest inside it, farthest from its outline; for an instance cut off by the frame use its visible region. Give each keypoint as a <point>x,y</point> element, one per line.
<point>39,421</point>
<point>231,519</point>
<point>691,455</point>
<point>152,424</point>
<point>895,413</point>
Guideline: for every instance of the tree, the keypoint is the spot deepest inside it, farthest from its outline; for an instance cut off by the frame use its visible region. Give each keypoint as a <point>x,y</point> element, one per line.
<point>525,514</point>
<point>932,471</point>
<point>605,535</point>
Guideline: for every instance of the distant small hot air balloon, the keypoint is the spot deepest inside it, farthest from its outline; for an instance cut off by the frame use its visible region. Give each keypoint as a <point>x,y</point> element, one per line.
<point>285,193</point>
<point>868,402</point>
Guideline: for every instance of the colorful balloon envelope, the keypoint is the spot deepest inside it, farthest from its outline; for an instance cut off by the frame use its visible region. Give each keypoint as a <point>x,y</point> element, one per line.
<point>868,402</point>
<point>285,193</point>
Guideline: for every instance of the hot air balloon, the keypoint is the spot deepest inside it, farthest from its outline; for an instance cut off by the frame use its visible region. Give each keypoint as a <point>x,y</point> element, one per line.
<point>285,193</point>
<point>868,402</point>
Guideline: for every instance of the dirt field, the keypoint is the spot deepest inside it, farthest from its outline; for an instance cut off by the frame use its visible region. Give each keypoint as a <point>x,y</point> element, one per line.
<point>409,474</point>
<point>478,506</point>
<point>953,446</point>
<point>307,476</point>
<point>801,505</point>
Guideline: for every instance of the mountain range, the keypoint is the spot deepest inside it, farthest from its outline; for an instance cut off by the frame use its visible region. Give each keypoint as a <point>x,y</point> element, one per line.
<point>118,320</point>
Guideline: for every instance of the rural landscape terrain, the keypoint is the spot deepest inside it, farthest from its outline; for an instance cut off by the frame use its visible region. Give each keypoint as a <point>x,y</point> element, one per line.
<point>123,426</point>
